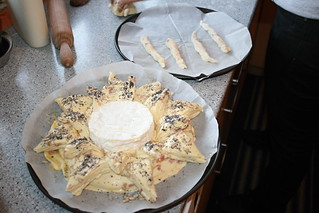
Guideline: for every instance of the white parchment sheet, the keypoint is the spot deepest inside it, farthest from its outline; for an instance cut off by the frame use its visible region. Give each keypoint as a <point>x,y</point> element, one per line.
<point>37,126</point>
<point>178,21</point>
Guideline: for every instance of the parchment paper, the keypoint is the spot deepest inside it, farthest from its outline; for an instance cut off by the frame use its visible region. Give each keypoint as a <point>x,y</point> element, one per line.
<point>178,21</point>
<point>37,126</point>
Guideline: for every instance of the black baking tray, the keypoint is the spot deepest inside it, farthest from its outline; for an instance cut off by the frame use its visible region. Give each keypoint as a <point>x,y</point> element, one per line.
<point>210,167</point>
<point>201,77</point>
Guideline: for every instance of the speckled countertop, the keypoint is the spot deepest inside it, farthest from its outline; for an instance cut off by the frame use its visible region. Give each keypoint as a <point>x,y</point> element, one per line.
<point>33,73</point>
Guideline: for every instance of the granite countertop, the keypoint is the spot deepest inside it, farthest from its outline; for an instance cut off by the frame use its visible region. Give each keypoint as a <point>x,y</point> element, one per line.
<point>33,73</point>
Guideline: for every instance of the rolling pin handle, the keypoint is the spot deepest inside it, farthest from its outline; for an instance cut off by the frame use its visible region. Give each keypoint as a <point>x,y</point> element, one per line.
<point>66,55</point>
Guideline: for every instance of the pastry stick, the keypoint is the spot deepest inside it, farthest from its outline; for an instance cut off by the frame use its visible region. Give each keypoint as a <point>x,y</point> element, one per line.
<point>171,44</point>
<point>213,34</point>
<point>201,49</point>
<point>151,50</point>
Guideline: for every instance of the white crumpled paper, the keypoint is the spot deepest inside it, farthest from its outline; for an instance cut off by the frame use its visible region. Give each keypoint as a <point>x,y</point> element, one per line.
<point>178,21</point>
<point>37,127</point>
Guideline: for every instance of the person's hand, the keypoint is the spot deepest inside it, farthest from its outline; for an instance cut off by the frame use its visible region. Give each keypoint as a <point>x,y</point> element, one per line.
<point>122,3</point>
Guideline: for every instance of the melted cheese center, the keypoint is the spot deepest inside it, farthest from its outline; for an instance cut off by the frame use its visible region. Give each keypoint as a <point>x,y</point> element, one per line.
<point>121,125</point>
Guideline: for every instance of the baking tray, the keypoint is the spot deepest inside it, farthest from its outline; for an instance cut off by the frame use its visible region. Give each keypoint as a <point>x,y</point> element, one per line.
<point>75,86</point>
<point>201,77</point>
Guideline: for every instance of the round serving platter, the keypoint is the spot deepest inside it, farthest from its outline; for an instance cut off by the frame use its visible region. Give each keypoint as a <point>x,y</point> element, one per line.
<point>205,125</point>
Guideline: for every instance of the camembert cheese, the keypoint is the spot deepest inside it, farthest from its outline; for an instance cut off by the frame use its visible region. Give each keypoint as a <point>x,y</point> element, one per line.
<point>121,125</point>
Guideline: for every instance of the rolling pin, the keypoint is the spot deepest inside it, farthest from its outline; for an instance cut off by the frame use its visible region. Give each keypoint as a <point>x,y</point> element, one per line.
<point>61,31</point>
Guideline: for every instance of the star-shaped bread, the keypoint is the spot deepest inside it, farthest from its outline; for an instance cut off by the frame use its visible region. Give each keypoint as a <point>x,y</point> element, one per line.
<point>86,166</point>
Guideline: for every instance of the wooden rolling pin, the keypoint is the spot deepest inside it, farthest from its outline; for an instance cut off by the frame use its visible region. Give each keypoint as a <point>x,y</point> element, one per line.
<point>61,31</point>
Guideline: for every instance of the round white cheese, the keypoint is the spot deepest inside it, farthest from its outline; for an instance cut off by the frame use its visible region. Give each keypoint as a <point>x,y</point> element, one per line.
<point>121,125</point>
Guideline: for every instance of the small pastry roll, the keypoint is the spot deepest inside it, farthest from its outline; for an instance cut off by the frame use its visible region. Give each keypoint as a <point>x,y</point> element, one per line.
<point>178,146</point>
<point>157,103</point>
<point>76,120</point>
<point>169,125</point>
<point>185,108</point>
<point>201,49</point>
<point>171,44</point>
<point>140,172</point>
<point>151,50</point>
<point>85,169</point>
<point>219,41</point>
<point>146,90</point>
<point>57,138</point>
<point>74,103</point>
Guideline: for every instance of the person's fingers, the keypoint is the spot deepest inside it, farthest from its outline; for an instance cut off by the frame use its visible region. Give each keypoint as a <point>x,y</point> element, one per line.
<point>122,3</point>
